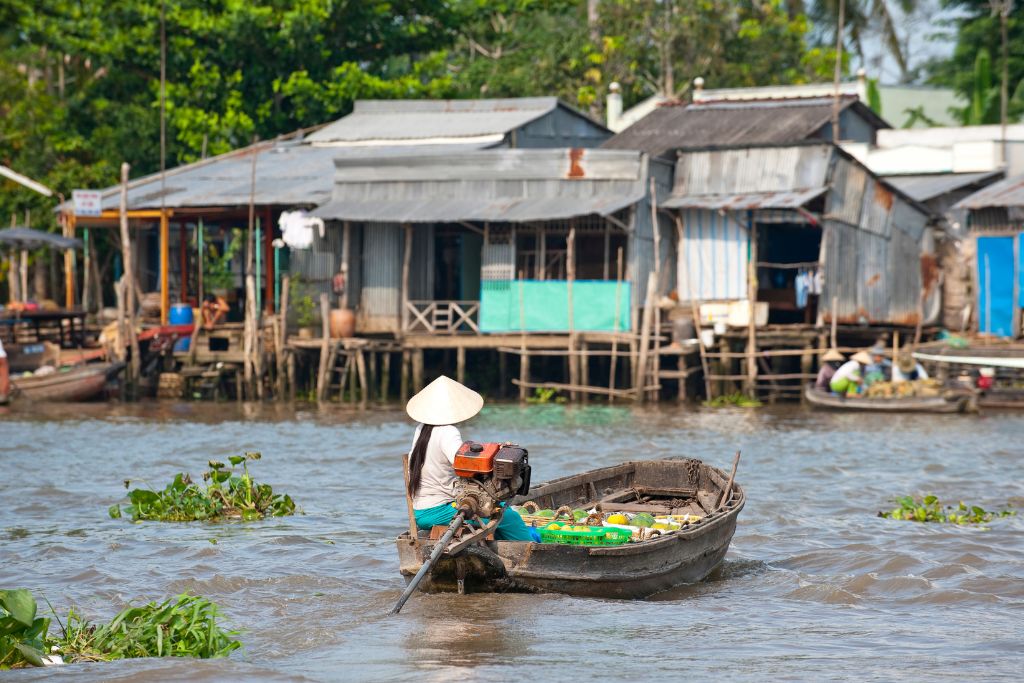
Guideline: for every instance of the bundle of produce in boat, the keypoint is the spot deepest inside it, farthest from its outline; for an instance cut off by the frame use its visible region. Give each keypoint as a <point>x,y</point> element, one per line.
<point>921,388</point>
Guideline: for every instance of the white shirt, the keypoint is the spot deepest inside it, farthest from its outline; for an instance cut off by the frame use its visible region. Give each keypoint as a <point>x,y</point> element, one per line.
<point>849,370</point>
<point>437,478</point>
<point>3,354</point>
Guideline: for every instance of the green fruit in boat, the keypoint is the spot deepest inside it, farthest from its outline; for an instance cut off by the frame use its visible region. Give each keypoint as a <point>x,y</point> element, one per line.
<point>643,519</point>
<point>577,515</point>
<point>545,513</point>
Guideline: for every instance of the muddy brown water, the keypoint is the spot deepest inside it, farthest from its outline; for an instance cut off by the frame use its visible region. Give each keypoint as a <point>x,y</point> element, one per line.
<point>815,586</point>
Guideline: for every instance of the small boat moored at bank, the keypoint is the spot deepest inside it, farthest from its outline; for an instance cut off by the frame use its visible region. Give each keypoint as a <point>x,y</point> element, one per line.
<point>948,401</point>
<point>79,383</point>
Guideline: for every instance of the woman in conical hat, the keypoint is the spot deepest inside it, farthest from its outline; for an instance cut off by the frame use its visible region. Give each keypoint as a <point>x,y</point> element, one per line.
<point>830,362</point>
<point>441,405</point>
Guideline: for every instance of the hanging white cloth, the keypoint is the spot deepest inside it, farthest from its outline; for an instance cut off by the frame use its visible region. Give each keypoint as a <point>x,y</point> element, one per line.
<point>297,228</point>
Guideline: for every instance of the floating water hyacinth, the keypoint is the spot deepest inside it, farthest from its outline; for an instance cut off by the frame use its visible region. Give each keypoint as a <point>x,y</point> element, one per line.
<point>227,495</point>
<point>929,509</point>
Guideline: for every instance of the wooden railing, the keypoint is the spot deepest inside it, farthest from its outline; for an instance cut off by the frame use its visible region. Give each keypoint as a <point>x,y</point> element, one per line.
<point>441,317</point>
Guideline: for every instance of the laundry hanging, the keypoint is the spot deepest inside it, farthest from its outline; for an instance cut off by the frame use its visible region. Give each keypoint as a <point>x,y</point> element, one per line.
<point>297,228</point>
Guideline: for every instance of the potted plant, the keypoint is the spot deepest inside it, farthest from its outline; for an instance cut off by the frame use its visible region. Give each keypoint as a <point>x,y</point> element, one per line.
<point>305,309</point>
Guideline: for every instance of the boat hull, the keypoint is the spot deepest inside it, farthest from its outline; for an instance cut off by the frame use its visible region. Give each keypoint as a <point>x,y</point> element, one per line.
<point>630,571</point>
<point>959,403</point>
<point>80,384</point>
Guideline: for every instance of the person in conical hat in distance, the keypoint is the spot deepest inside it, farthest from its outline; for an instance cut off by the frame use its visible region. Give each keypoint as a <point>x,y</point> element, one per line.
<point>830,362</point>
<point>849,378</point>
<point>442,405</point>
<point>880,367</point>
<point>907,369</point>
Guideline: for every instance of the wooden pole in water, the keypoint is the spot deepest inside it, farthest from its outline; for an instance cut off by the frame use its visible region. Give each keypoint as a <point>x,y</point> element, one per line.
<point>570,271</point>
<point>129,299</point>
<point>321,381</point>
<point>834,320</point>
<point>615,328</point>
<point>640,371</point>
<point>751,388</point>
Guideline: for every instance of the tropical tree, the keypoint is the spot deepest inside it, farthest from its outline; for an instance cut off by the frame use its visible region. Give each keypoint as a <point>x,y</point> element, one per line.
<point>862,19</point>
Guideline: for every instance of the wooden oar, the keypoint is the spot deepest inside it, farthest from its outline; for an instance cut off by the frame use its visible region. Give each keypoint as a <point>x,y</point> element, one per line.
<point>442,543</point>
<point>728,487</point>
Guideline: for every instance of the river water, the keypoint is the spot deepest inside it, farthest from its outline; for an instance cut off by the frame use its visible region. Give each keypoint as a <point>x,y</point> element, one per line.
<point>815,585</point>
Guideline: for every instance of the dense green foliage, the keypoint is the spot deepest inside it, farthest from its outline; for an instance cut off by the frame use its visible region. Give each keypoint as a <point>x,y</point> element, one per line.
<point>23,635</point>
<point>227,496</point>
<point>929,509</point>
<point>185,626</point>
<point>976,66</point>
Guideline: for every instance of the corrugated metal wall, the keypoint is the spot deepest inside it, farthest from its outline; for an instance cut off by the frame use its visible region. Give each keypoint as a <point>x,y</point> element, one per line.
<point>318,264</point>
<point>421,266</point>
<point>382,277</point>
<point>713,256</point>
<point>841,270</point>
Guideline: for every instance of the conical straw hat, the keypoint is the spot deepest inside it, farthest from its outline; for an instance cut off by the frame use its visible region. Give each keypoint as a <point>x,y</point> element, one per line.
<point>444,402</point>
<point>832,354</point>
<point>863,358</point>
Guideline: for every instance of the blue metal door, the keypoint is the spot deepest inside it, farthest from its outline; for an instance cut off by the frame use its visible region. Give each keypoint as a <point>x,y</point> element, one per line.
<point>995,285</point>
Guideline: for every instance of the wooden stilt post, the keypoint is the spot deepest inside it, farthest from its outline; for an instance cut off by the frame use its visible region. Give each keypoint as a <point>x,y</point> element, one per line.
<point>460,364</point>
<point>640,371</point>
<point>404,383</point>
<point>130,300</point>
<point>322,377</point>
<point>615,327</point>
<point>283,331</point>
<point>751,383</point>
<point>570,271</point>
<point>364,386</point>
<point>417,370</point>
<point>165,262</point>
<point>371,374</point>
<point>385,375</point>
<point>524,373</point>
<point>694,309</point>
<point>584,362</point>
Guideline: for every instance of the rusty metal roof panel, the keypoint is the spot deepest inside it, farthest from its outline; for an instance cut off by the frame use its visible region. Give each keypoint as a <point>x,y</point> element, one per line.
<point>1008,193</point>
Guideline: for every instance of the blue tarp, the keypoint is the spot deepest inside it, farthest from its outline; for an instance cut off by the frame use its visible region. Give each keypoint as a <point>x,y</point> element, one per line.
<point>995,284</point>
<point>545,306</point>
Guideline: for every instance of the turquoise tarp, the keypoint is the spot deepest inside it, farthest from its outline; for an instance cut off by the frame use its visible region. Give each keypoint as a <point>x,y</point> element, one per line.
<point>545,306</point>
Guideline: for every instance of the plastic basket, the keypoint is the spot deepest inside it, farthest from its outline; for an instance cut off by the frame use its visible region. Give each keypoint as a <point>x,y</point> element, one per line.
<point>598,535</point>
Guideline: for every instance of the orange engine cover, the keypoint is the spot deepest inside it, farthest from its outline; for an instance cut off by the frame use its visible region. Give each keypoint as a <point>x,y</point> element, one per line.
<point>475,458</point>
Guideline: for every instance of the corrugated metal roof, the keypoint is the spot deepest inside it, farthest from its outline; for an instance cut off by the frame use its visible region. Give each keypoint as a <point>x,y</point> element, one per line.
<point>511,210</point>
<point>1008,193</point>
<point>513,185</point>
<point>398,120</point>
<point>928,186</point>
<point>678,126</point>
<point>791,199</point>
<point>288,174</point>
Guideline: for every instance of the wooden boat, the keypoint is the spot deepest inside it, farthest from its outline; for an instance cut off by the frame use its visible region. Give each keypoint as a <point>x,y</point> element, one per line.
<point>633,570</point>
<point>951,401</point>
<point>79,383</point>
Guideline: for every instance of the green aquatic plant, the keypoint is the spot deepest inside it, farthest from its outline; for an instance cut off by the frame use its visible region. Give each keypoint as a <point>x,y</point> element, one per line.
<point>227,495</point>
<point>929,509</point>
<point>23,635</point>
<point>184,626</point>
<point>542,395</point>
<point>736,400</point>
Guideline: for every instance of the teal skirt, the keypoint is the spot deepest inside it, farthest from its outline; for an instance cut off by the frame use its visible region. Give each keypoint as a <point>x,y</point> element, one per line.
<point>510,528</point>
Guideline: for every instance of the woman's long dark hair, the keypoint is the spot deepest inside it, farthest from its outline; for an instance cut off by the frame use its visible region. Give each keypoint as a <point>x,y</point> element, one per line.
<point>416,458</point>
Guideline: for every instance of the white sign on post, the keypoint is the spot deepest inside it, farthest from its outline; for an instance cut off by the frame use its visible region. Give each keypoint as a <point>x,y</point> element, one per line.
<point>87,202</point>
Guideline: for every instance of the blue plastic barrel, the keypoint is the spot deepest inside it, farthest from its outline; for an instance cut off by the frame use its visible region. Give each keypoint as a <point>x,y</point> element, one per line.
<point>181,314</point>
